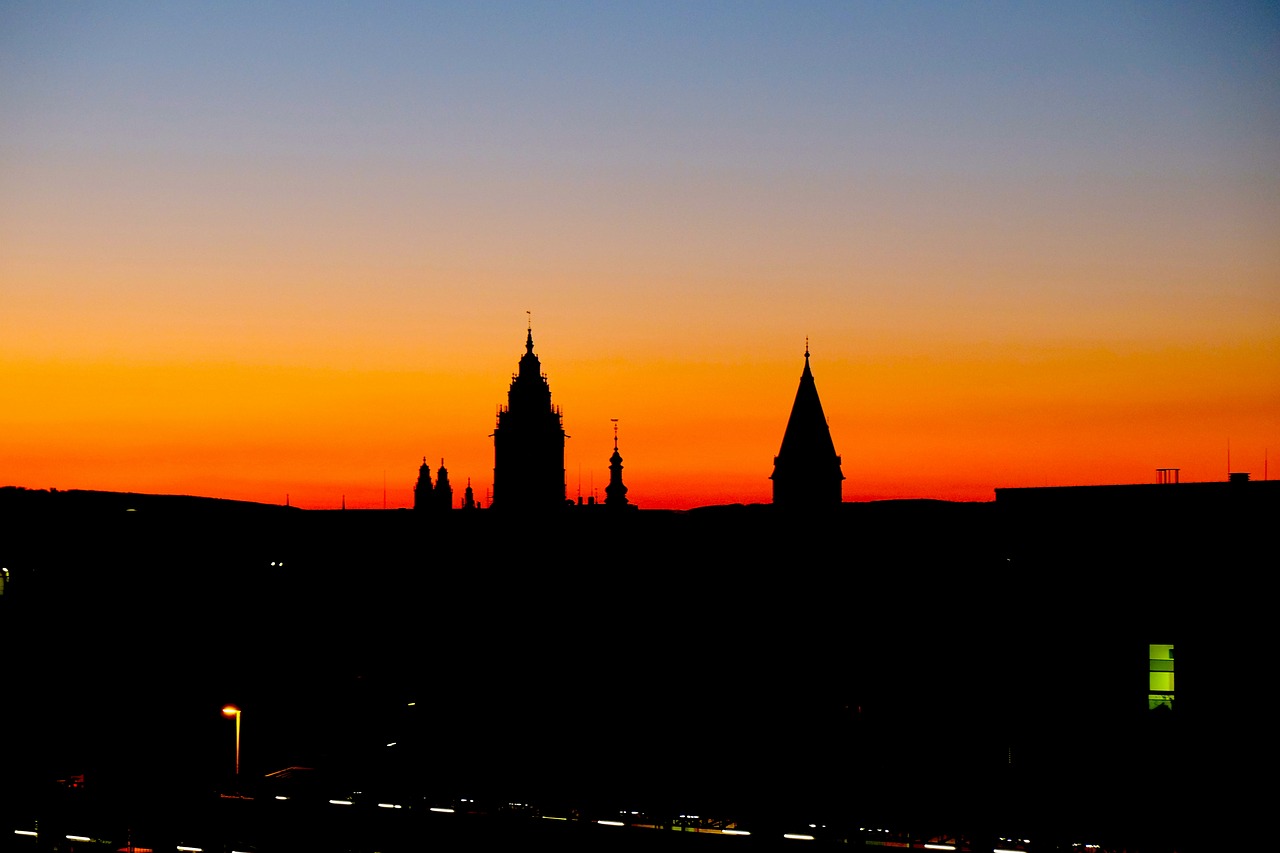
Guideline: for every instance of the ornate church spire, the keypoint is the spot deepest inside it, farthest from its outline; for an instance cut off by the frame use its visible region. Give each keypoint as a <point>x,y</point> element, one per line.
<point>615,494</point>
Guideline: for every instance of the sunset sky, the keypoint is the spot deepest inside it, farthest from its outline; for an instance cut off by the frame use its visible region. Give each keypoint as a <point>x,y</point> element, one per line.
<point>258,250</point>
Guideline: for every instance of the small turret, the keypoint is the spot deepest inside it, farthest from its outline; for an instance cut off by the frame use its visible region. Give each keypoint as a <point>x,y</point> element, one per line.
<point>443,492</point>
<point>422,489</point>
<point>615,494</point>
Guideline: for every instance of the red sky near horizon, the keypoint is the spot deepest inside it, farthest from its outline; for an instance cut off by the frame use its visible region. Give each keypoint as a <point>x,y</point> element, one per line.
<point>253,254</point>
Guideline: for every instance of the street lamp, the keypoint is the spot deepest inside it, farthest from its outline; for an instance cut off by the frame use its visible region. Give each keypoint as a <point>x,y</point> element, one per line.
<point>233,711</point>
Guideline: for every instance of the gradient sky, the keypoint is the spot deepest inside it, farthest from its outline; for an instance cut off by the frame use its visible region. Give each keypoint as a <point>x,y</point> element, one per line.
<point>250,250</point>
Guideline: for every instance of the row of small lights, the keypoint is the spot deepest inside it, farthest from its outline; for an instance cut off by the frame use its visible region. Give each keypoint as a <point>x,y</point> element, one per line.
<point>788,835</point>
<point>86,839</point>
<point>794,836</point>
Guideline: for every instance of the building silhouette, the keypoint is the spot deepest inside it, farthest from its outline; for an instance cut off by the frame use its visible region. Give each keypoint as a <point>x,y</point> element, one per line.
<point>443,494</point>
<point>615,494</point>
<point>806,471</point>
<point>422,490</point>
<point>528,443</point>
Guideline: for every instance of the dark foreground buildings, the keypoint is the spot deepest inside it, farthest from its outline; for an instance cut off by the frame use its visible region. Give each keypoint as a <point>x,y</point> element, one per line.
<point>1069,666</point>
<point>1052,669</point>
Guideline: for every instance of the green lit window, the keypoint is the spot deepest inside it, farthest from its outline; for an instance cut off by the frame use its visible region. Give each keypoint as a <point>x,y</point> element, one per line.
<point>1160,672</point>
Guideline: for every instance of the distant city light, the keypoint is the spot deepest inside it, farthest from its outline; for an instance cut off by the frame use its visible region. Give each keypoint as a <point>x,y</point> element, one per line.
<point>281,797</point>
<point>24,832</point>
<point>445,811</point>
<point>388,806</point>
<point>796,837</point>
<point>83,838</point>
<point>340,802</point>
<point>939,847</point>
<point>736,832</point>
<point>610,823</point>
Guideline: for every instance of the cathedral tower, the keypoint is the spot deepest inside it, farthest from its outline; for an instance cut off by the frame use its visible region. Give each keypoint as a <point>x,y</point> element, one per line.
<point>806,471</point>
<point>528,442</point>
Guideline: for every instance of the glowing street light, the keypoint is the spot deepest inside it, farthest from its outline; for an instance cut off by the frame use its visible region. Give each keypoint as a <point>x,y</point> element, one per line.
<point>233,711</point>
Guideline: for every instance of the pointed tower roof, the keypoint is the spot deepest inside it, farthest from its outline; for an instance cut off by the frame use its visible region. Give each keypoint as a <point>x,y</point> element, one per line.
<point>807,468</point>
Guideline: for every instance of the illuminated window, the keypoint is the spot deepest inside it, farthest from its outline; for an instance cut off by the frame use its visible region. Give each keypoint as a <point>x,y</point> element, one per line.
<point>1160,688</point>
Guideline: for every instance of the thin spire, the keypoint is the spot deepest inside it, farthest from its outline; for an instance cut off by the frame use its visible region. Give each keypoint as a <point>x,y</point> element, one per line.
<point>528,343</point>
<point>615,433</point>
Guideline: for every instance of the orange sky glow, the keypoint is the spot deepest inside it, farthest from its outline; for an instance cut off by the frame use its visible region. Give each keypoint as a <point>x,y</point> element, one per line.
<point>232,269</point>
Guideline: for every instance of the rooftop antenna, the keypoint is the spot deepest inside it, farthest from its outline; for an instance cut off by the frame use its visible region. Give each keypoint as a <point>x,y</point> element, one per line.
<point>384,488</point>
<point>579,482</point>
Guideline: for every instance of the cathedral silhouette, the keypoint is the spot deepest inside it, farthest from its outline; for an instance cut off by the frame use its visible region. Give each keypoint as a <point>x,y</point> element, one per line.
<point>528,442</point>
<point>528,453</point>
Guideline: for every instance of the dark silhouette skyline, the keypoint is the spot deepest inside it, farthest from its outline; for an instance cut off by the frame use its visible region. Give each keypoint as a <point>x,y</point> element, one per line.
<point>936,667</point>
<point>954,670</point>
